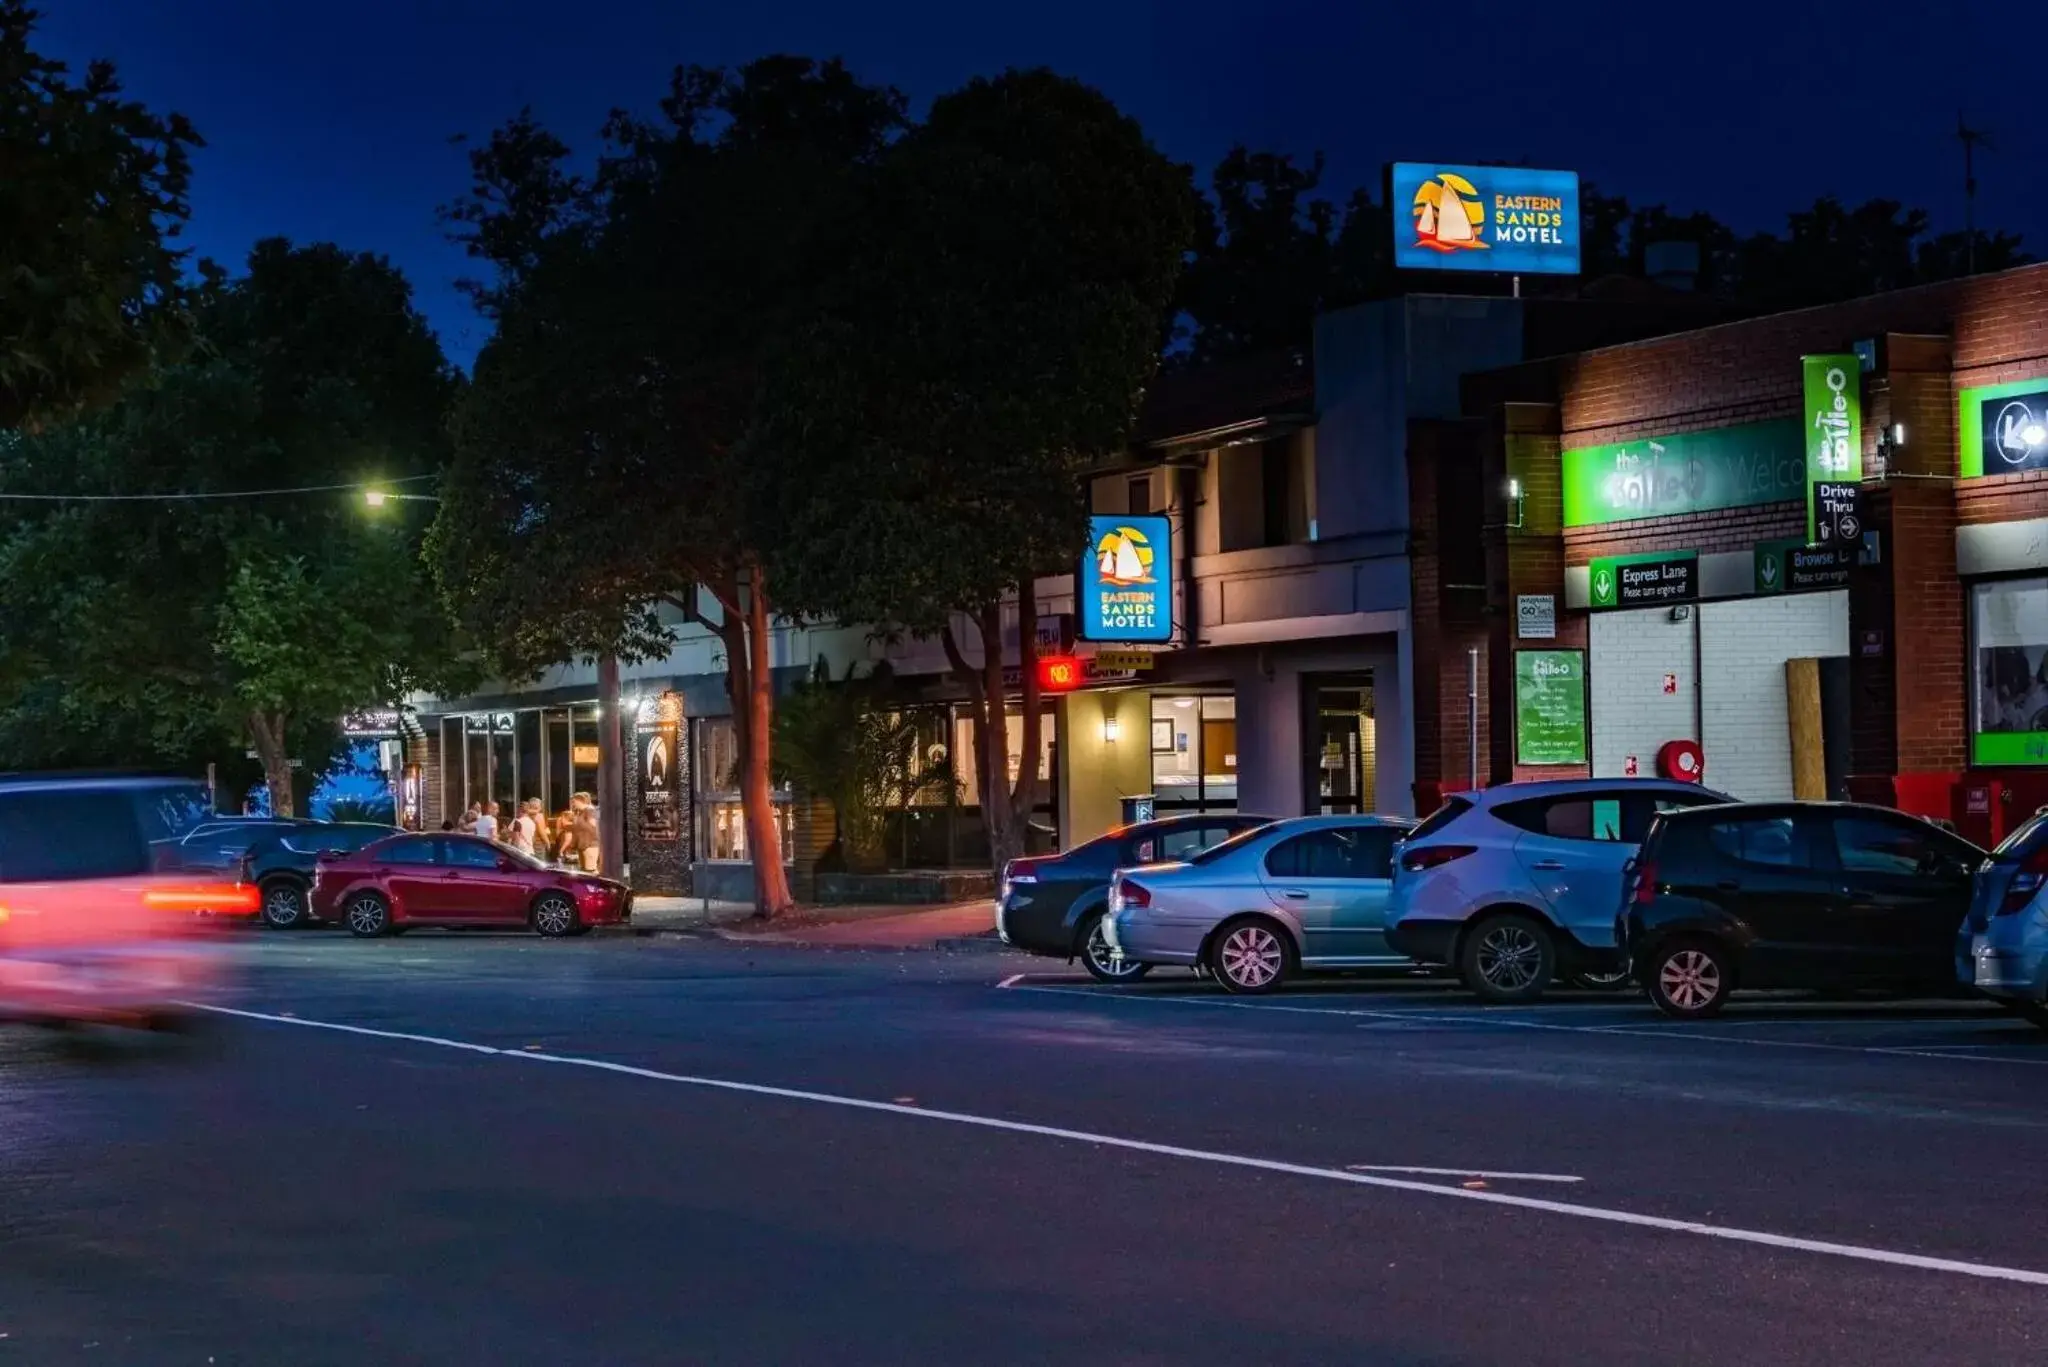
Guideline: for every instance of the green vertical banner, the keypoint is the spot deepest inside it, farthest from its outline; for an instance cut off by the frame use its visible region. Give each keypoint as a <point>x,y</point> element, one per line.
<point>1833,425</point>
<point>1550,707</point>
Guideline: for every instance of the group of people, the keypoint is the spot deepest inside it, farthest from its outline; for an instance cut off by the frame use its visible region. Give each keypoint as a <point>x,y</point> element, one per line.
<point>570,838</point>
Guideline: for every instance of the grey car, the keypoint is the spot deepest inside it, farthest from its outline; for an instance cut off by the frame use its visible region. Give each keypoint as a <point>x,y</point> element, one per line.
<point>1301,895</point>
<point>2002,946</point>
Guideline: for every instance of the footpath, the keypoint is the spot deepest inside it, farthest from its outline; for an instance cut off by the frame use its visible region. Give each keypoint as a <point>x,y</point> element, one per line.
<point>964,926</point>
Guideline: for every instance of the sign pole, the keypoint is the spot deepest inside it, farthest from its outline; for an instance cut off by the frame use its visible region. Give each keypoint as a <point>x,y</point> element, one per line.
<point>1472,717</point>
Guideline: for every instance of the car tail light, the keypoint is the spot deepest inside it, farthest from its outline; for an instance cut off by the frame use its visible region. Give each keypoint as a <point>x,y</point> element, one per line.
<point>2033,871</point>
<point>1646,883</point>
<point>1429,856</point>
<point>222,899</point>
<point>1022,870</point>
<point>1132,894</point>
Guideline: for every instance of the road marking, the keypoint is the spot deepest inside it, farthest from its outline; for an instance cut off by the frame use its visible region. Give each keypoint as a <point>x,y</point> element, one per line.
<point>1011,981</point>
<point>1729,1233</point>
<point>1464,1172</point>
<point>1677,1030</point>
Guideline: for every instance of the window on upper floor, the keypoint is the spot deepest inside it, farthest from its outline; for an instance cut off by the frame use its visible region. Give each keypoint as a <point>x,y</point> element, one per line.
<point>1265,493</point>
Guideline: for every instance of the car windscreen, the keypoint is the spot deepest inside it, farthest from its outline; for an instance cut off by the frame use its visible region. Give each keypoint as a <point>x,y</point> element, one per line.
<point>2026,835</point>
<point>1453,808</point>
<point>171,811</point>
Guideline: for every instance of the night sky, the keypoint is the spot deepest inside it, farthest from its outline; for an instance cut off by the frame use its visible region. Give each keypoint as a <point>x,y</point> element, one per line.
<point>333,121</point>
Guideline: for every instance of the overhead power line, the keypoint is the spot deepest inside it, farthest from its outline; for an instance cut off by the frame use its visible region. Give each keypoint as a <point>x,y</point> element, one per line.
<point>362,487</point>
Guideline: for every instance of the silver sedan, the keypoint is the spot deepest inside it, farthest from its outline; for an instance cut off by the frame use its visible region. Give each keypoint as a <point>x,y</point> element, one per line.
<point>1300,895</point>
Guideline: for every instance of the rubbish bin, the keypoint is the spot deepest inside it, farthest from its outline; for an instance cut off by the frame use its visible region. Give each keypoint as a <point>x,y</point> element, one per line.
<point>1138,808</point>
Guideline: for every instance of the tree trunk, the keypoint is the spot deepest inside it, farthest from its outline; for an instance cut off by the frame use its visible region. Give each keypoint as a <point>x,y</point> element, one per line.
<point>1000,815</point>
<point>611,772</point>
<point>266,732</point>
<point>749,682</point>
<point>1024,799</point>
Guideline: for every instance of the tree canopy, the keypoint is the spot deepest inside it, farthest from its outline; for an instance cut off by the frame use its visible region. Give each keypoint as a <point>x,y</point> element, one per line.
<point>635,306</point>
<point>224,617</point>
<point>92,195</point>
<point>983,336</point>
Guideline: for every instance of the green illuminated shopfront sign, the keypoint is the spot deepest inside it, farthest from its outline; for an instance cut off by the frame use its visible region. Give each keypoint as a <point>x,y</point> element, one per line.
<point>1687,472</point>
<point>1550,707</point>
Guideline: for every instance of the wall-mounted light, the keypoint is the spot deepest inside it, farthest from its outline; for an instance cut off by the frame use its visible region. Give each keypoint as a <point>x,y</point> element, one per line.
<point>1111,728</point>
<point>1890,440</point>
<point>1516,502</point>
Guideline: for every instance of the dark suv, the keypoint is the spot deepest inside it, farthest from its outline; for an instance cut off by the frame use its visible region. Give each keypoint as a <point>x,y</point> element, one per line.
<point>1053,904</point>
<point>280,863</point>
<point>1793,894</point>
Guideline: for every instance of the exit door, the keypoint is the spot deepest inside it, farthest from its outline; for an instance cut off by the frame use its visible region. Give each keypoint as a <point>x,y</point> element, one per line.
<point>1340,748</point>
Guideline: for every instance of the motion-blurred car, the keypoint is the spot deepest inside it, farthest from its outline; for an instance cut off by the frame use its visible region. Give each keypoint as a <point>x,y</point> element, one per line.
<point>1795,894</point>
<point>1053,904</point>
<point>2002,950</point>
<point>1513,886</point>
<point>280,863</point>
<point>460,881</point>
<point>96,916</point>
<point>1304,895</point>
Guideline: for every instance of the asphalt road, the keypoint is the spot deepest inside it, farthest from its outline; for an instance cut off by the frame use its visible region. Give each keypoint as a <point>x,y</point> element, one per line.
<point>623,1151</point>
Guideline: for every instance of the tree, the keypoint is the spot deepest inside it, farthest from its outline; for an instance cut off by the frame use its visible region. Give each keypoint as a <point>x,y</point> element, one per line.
<point>220,615</point>
<point>600,453</point>
<point>983,336</point>
<point>850,743</point>
<point>92,194</point>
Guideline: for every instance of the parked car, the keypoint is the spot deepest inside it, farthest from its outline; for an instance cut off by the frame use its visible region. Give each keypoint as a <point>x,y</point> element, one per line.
<point>1053,904</point>
<point>1795,894</point>
<point>279,864</point>
<point>1303,895</point>
<point>96,919</point>
<point>460,880</point>
<point>216,845</point>
<point>2002,950</point>
<point>1516,886</point>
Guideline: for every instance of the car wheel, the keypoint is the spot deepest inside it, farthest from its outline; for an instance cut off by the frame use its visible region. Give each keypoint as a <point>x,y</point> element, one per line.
<point>1103,966</point>
<point>1612,980</point>
<point>1251,956</point>
<point>1507,958</point>
<point>367,915</point>
<point>2033,1013</point>
<point>1690,979</point>
<point>284,904</point>
<point>555,916</point>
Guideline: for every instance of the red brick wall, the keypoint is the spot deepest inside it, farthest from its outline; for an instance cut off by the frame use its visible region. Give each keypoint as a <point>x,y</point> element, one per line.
<point>1448,598</point>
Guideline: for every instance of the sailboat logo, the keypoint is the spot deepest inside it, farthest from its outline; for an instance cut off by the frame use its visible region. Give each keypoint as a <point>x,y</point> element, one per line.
<point>1123,556</point>
<point>1448,215</point>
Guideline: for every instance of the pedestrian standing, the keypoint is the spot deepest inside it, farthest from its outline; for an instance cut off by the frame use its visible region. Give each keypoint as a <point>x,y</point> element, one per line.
<point>467,826</point>
<point>487,824</point>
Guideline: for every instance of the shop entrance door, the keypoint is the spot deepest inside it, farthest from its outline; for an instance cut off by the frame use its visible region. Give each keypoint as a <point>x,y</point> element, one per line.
<point>1340,748</point>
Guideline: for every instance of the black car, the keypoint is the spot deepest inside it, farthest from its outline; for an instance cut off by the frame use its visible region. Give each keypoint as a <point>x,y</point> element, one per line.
<point>216,845</point>
<point>1793,894</point>
<point>1053,904</point>
<point>280,863</point>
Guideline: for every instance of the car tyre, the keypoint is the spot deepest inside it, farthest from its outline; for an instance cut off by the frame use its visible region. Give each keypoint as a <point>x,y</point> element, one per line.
<point>284,904</point>
<point>1096,958</point>
<point>1613,980</point>
<point>554,916</point>
<point>367,915</point>
<point>1689,979</point>
<point>1251,955</point>
<point>1507,959</point>
<point>2033,1013</point>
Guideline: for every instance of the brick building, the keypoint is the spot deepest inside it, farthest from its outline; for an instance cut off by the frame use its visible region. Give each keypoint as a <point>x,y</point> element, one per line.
<point>1639,514</point>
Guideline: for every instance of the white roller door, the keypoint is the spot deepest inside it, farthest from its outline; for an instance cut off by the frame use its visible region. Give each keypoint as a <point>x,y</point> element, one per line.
<point>1744,644</point>
<point>1633,656</point>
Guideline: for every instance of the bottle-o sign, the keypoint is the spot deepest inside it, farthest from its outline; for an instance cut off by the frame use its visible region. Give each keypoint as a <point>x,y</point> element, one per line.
<point>1058,673</point>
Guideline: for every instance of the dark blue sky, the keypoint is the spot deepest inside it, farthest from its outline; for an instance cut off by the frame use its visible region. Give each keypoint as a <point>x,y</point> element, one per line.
<point>332,121</point>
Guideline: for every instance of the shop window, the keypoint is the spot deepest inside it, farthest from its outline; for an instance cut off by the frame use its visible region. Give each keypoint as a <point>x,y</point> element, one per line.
<point>967,761</point>
<point>1194,752</point>
<point>2009,667</point>
<point>717,781</point>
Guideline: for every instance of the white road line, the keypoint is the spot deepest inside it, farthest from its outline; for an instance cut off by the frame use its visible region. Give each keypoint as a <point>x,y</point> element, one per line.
<point>1011,981</point>
<point>1854,1252</point>
<point>1465,1172</point>
<point>1674,1031</point>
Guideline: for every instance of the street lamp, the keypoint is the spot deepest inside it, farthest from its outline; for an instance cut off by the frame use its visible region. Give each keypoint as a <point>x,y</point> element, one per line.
<point>377,498</point>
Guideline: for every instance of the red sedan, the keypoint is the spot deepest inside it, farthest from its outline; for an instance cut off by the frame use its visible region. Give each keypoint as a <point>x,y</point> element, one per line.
<point>460,880</point>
